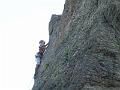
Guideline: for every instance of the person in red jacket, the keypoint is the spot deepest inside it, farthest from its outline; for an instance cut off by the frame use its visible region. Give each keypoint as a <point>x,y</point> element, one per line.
<point>39,55</point>
<point>42,47</point>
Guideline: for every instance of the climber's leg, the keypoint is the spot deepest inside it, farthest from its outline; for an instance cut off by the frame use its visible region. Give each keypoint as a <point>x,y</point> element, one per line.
<point>36,70</point>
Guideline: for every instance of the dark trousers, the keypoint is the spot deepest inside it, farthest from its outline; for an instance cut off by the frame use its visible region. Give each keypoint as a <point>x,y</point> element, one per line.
<point>36,70</point>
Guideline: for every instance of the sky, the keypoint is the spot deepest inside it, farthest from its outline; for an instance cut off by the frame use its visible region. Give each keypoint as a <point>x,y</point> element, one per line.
<point>22,24</point>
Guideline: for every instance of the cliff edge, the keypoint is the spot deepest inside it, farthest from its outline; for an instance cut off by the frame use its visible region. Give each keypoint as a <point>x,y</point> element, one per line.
<point>84,49</point>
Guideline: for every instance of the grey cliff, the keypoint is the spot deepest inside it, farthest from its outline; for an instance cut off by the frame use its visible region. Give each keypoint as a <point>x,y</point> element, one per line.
<point>84,49</point>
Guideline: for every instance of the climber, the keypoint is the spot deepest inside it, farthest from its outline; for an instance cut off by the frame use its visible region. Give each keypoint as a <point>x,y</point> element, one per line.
<point>39,55</point>
<point>42,47</point>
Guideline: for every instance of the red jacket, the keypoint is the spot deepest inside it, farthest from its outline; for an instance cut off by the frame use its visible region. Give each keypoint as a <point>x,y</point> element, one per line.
<point>42,49</point>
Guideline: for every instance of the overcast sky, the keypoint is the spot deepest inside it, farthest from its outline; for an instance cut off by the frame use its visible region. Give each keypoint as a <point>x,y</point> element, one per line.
<point>22,24</point>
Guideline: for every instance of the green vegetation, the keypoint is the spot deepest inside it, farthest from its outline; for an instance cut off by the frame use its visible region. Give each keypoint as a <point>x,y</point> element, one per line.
<point>66,53</point>
<point>118,44</point>
<point>46,66</point>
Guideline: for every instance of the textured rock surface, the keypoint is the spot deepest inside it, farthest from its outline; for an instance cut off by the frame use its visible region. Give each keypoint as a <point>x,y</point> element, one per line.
<point>84,50</point>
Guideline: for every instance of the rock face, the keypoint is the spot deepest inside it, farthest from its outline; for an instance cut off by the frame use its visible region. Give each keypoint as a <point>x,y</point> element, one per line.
<point>84,49</point>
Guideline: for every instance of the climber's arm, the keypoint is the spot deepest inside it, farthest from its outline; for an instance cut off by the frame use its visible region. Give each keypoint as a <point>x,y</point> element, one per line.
<point>47,44</point>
